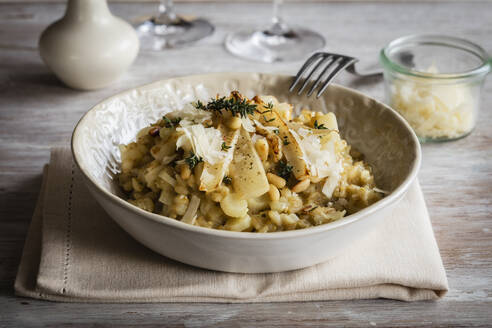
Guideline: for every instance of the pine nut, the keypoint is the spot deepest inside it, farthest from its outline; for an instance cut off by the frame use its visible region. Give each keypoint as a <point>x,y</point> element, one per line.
<point>261,147</point>
<point>301,186</point>
<point>234,123</point>
<point>276,180</point>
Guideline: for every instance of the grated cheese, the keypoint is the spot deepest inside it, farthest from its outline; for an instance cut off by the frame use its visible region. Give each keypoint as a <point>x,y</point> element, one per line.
<point>434,110</point>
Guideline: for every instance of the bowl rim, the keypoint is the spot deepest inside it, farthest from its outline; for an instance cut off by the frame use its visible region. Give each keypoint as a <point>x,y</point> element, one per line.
<point>394,196</point>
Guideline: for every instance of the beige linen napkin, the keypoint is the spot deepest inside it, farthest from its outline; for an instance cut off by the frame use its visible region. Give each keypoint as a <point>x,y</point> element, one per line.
<point>75,252</point>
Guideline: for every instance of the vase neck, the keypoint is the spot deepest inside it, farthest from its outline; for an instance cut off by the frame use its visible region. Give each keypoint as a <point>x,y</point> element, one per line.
<point>87,10</point>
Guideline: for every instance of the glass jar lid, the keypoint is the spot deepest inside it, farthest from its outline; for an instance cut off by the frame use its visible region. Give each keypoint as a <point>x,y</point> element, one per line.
<point>435,56</point>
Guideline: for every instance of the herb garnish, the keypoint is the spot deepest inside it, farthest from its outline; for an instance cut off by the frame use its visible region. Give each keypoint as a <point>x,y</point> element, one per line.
<point>286,142</point>
<point>193,160</point>
<point>227,180</point>
<point>171,123</point>
<point>199,105</point>
<point>284,170</point>
<point>276,131</point>
<point>320,126</point>
<point>270,120</point>
<point>234,105</point>
<point>225,147</point>
<point>269,108</point>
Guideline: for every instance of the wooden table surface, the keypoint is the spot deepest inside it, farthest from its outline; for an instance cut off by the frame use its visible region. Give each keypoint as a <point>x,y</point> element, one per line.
<point>37,112</point>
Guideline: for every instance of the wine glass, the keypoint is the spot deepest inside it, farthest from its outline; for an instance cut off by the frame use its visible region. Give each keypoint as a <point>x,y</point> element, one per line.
<point>278,42</point>
<point>168,30</point>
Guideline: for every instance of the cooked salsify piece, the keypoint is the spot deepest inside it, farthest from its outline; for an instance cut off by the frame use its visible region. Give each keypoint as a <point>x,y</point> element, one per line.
<point>248,165</point>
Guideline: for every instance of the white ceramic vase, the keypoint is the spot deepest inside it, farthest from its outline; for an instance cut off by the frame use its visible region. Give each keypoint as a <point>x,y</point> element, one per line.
<point>88,48</point>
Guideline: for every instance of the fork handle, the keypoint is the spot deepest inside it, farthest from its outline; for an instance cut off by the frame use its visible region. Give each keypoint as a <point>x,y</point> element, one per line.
<point>351,69</point>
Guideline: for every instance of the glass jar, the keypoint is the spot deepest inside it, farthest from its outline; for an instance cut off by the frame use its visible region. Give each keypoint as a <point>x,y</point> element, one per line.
<point>434,82</point>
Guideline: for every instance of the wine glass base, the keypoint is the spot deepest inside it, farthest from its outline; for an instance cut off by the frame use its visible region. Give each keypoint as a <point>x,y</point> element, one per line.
<point>180,32</point>
<point>295,44</point>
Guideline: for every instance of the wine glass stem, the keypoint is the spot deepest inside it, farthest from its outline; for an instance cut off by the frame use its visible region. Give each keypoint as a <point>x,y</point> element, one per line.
<point>276,11</point>
<point>166,12</point>
<point>278,27</point>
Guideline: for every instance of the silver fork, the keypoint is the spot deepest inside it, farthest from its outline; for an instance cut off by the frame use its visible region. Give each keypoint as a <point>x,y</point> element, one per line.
<point>335,62</point>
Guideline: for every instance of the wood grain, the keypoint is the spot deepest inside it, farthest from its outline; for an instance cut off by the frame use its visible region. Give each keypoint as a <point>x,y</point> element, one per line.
<point>38,112</point>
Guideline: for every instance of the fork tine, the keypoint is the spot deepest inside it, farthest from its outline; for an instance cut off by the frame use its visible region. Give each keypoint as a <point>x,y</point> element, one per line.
<point>336,58</point>
<point>304,67</point>
<point>334,73</point>
<point>308,77</point>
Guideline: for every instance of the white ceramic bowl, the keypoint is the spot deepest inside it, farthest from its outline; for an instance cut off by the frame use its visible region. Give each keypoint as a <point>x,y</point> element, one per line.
<point>383,136</point>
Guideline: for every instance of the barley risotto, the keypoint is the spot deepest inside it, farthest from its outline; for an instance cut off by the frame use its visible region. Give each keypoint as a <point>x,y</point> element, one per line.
<point>246,165</point>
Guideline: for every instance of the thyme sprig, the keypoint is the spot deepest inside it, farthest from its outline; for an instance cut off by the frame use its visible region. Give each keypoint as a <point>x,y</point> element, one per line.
<point>235,105</point>
<point>199,105</point>
<point>269,108</point>
<point>312,209</point>
<point>319,126</point>
<point>171,123</point>
<point>225,147</point>
<point>284,170</point>
<point>193,160</point>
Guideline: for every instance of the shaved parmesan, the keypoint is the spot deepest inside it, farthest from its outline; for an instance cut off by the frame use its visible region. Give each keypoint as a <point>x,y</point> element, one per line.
<point>330,184</point>
<point>212,174</point>
<point>267,128</point>
<point>247,124</point>
<point>269,99</point>
<point>256,137</point>
<point>249,177</point>
<point>291,149</point>
<point>205,142</point>
<point>321,159</point>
